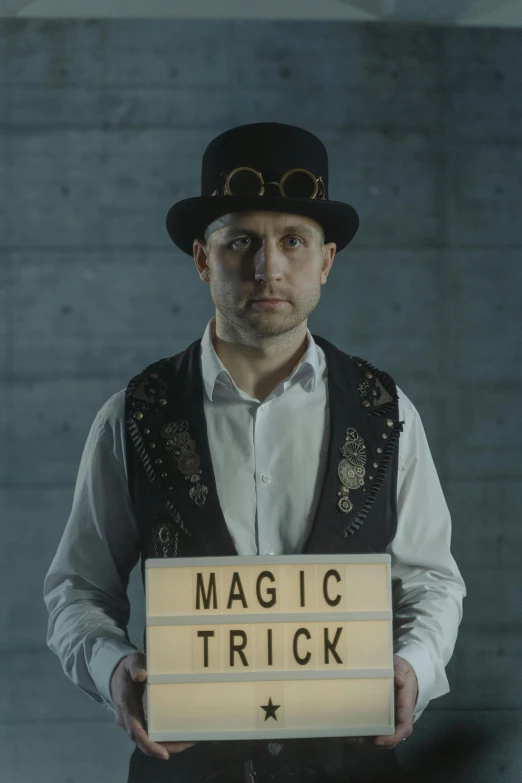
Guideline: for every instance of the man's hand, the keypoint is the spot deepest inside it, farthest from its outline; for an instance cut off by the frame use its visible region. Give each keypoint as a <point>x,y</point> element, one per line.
<point>406,690</point>
<point>127,687</point>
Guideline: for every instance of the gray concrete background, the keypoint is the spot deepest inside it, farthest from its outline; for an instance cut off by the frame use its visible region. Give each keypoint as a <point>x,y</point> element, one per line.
<point>102,128</point>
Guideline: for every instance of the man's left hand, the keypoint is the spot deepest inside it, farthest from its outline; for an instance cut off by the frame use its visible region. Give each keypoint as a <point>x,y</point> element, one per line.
<point>406,690</point>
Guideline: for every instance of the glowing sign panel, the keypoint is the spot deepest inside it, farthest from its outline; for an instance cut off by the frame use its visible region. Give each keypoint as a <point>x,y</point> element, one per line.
<point>253,647</point>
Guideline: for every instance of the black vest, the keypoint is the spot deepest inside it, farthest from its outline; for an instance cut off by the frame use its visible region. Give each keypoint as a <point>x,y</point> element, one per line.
<point>171,478</point>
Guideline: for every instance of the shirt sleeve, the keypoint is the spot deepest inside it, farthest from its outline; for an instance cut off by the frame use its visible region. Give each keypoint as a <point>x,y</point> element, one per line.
<point>427,587</point>
<point>85,588</point>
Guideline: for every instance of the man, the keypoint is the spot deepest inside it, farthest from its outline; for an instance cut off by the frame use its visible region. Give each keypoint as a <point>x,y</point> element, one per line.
<point>235,446</point>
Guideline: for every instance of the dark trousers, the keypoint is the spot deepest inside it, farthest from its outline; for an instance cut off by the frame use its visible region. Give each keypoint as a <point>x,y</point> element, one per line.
<point>260,761</point>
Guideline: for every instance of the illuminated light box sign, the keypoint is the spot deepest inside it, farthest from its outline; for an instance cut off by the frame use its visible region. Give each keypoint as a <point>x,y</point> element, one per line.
<point>280,646</point>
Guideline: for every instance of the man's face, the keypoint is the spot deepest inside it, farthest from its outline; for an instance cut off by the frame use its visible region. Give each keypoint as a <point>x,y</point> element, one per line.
<point>264,254</point>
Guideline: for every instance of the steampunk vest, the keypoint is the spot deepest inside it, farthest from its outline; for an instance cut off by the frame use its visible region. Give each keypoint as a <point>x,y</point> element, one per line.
<point>171,477</point>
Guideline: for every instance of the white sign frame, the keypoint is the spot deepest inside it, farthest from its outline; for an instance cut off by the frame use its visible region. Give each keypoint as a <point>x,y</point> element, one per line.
<point>339,678</point>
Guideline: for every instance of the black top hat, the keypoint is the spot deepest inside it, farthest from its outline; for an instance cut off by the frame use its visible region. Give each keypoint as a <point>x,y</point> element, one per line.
<point>263,166</point>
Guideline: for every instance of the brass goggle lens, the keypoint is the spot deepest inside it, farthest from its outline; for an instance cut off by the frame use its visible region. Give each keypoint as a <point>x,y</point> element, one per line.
<point>296,183</point>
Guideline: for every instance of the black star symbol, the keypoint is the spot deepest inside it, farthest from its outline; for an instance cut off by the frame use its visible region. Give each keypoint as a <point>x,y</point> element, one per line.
<point>270,709</point>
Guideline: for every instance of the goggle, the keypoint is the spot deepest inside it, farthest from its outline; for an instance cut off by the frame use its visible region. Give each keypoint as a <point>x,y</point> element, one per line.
<point>296,183</point>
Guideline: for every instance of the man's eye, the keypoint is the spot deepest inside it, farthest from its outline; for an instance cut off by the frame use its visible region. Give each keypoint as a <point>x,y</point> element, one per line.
<point>236,240</point>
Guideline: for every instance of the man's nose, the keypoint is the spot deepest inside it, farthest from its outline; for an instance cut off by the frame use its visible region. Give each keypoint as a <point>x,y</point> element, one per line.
<point>267,263</point>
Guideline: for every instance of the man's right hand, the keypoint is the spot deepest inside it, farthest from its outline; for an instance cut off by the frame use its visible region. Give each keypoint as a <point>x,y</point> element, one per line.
<point>127,687</point>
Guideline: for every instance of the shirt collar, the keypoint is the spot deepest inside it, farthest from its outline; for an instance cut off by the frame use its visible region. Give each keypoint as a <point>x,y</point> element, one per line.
<point>214,371</point>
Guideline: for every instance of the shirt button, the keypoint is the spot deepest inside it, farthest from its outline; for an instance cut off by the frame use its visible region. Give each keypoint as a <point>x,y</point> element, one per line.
<point>265,406</point>
<point>266,477</point>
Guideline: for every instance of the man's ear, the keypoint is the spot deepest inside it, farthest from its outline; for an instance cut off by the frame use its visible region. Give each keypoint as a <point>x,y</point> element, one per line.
<point>200,251</point>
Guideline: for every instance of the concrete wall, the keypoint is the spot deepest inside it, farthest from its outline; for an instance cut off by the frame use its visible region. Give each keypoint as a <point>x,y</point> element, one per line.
<point>102,128</point>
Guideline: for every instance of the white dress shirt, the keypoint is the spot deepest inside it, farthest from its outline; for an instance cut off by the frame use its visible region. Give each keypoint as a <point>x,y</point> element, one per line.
<point>269,499</point>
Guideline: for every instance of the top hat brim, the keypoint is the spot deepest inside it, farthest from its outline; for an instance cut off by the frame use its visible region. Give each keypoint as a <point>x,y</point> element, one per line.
<point>188,219</point>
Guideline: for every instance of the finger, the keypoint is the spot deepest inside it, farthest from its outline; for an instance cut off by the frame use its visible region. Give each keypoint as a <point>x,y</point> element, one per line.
<point>139,736</point>
<point>132,706</point>
<point>404,700</point>
<point>404,708</point>
<point>176,747</point>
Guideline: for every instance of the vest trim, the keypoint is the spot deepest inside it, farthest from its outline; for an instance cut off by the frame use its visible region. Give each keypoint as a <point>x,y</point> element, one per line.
<point>389,449</point>
<point>141,452</point>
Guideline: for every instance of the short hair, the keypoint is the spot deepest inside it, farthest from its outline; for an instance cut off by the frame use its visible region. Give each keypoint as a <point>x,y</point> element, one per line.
<point>208,231</point>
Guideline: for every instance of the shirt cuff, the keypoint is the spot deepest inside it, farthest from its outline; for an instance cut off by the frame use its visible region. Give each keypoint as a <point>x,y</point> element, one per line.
<point>419,659</point>
<point>104,660</point>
